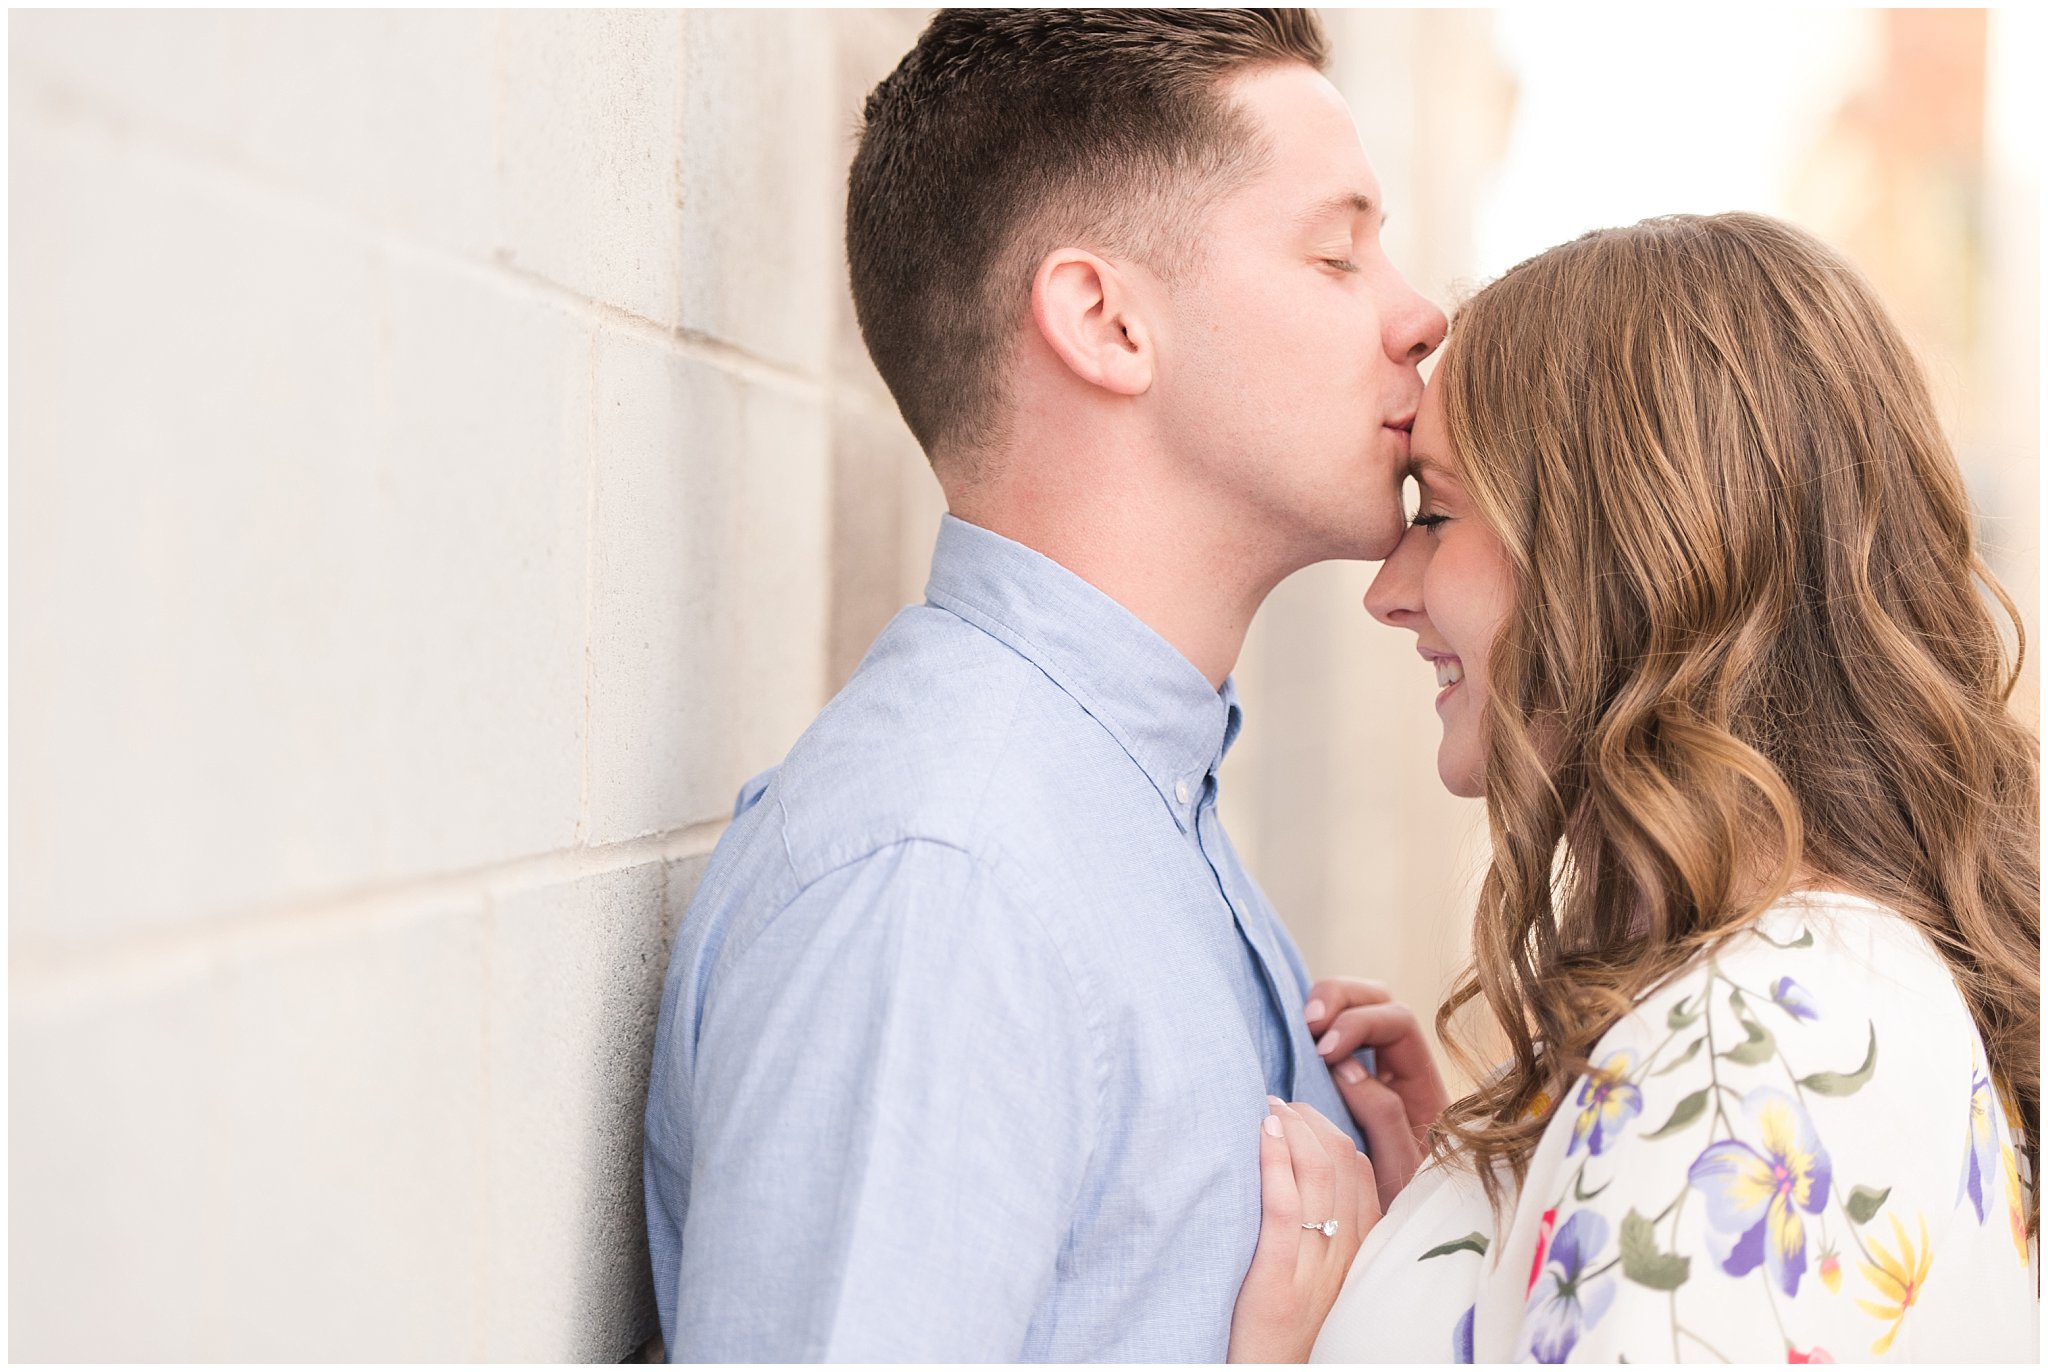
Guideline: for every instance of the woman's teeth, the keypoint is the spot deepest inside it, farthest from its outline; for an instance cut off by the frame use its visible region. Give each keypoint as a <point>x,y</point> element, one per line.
<point>1448,672</point>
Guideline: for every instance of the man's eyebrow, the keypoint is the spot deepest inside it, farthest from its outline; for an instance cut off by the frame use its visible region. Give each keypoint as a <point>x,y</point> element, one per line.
<point>1344,202</point>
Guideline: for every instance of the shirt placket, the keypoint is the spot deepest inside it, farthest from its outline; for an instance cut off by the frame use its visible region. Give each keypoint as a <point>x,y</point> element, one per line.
<point>1209,839</point>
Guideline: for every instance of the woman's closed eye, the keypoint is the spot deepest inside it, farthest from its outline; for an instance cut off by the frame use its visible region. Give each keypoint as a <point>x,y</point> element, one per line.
<point>1429,521</point>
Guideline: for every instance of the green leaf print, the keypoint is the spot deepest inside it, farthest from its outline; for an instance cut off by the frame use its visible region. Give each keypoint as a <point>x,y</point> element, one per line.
<point>1864,1203</point>
<point>1805,939</point>
<point>1474,1242</point>
<point>1757,1045</point>
<point>1680,1017</point>
<point>1836,1084</point>
<point>1643,1263</point>
<point>1691,1052</point>
<point>1689,1109</point>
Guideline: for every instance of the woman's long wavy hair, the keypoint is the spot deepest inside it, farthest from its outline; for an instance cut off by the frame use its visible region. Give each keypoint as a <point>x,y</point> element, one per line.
<point>1749,648</point>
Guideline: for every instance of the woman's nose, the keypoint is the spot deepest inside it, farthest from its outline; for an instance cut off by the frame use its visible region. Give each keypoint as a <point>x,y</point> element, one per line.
<point>1396,591</point>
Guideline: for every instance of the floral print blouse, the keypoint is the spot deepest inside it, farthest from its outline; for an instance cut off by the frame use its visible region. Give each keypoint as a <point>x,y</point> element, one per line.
<point>1794,1152</point>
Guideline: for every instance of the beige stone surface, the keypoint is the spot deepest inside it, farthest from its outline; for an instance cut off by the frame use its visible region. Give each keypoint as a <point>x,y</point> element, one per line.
<point>115,1167</point>
<point>353,1085</point>
<point>254,1147</point>
<point>332,106</point>
<point>309,536</point>
<point>878,569</point>
<point>710,495</point>
<point>336,106</point>
<point>575,974</point>
<point>588,153</point>
<point>762,175</point>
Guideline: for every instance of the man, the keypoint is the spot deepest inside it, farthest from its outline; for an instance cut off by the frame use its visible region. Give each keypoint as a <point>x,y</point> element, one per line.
<point>968,1034</point>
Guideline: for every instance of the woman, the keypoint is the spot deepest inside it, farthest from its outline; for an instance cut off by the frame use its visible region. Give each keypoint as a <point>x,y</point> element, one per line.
<point>1761,932</point>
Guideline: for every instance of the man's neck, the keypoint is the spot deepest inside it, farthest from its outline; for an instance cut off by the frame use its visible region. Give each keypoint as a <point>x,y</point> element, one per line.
<point>1196,588</point>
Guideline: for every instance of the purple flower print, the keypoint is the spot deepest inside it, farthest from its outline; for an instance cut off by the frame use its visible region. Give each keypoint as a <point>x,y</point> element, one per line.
<point>1607,1102</point>
<point>1794,999</point>
<point>1754,1195</point>
<point>1980,1162</point>
<point>1566,1301</point>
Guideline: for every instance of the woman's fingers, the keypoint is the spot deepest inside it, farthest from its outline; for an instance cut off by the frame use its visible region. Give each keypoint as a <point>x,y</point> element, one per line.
<point>1294,1275</point>
<point>1315,1175</point>
<point>1395,1144</point>
<point>1401,1055</point>
<point>1279,1197</point>
<point>1388,1028</point>
<point>1333,995</point>
<point>1344,1159</point>
<point>1309,1173</point>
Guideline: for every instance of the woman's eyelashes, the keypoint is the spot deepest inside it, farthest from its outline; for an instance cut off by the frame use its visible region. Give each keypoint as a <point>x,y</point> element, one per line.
<point>1429,521</point>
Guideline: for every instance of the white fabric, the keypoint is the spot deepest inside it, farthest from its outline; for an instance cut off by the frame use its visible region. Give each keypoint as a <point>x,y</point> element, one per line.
<point>1737,1099</point>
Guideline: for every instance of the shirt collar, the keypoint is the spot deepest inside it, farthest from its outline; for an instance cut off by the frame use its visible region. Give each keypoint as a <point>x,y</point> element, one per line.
<point>1154,702</point>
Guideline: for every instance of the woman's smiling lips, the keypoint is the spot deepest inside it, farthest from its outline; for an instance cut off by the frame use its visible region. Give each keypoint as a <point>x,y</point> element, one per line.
<point>1449,671</point>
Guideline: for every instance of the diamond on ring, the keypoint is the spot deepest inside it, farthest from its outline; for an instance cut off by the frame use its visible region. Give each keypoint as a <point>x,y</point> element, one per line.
<point>1329,1228</point>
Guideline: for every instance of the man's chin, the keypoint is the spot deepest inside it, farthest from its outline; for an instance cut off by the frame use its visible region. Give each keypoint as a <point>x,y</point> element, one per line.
<point>1354,542</point>
<point>1377,542</point>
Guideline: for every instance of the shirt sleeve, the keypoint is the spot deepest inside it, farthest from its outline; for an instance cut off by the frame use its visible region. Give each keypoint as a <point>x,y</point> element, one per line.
<point>1758,1167</point>
<point>896,1097</point>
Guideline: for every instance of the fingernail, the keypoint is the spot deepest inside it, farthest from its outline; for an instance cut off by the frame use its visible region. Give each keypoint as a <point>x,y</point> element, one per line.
<point>1327,1042</point>
<point>1350,1073</point>
<point>1276,1102</point>
<point>1314,1010</point>
<point>1272,1125</point>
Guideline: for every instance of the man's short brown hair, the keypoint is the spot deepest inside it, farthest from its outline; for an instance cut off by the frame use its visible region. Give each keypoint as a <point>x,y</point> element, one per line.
<point>1006,133</point>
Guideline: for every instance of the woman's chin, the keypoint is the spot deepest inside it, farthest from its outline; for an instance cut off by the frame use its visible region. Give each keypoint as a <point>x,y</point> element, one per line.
<point>1460,776</point>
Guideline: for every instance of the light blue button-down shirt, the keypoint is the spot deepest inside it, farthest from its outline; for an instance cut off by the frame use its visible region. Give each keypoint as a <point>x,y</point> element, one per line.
<point>967,1035</point>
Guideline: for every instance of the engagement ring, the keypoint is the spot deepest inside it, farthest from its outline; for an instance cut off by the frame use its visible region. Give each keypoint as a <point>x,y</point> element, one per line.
<point>1329,1228</point>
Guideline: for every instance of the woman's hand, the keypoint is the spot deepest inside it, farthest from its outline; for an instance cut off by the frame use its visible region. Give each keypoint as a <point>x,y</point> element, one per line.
<point>1395,1108</point>
<point>1309,1172</point>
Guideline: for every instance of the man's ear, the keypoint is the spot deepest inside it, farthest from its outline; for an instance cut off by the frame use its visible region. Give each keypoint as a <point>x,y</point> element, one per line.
<point>1090,315</point>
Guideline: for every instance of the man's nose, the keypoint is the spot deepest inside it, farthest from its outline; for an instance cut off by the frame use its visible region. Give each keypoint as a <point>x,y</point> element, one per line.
<point>1415,327</point>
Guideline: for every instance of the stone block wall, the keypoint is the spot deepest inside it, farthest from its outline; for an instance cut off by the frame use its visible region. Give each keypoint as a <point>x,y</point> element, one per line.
<point>425,436</point>
<point>444,467</point>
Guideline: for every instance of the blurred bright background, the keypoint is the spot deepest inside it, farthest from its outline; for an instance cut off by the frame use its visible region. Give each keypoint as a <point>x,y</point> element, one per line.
<point>443,466</point>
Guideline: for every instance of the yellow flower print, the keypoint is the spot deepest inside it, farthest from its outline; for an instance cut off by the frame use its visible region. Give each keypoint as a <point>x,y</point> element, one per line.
<point>1831,1270</point>
<point>1898,1279</point>
<point>2015,1202</point>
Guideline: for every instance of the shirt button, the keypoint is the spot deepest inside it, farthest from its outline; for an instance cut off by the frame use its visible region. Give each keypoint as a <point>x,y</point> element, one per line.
<point>1180,790</point>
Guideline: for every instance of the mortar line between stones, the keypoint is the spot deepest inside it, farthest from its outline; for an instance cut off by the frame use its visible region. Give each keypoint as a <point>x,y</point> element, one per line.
<point>196,158</point>
<point>590,560</point>
<point>38,967</point>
